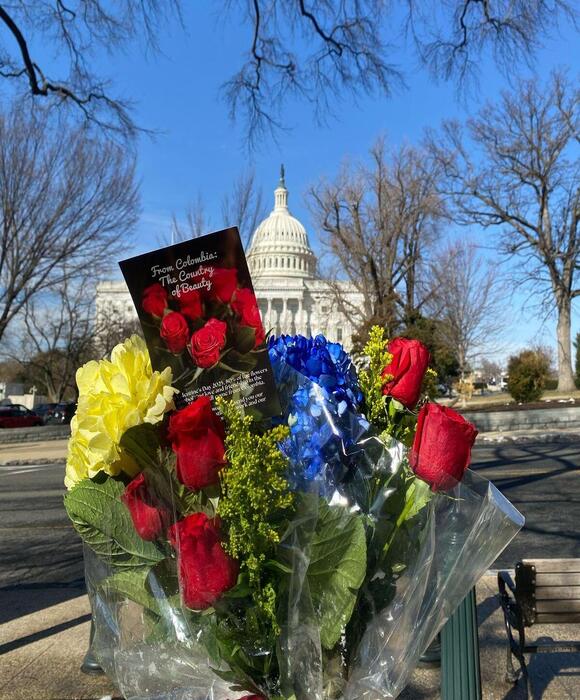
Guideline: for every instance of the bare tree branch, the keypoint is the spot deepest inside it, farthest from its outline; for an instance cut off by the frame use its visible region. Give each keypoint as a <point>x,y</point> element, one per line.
<point>242,206</point>
<point>65,205</point>
<point>76,30</point>
<point>315,50</point>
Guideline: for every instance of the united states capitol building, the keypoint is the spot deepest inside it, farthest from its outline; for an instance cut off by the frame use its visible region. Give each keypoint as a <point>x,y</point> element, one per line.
<point>291,295</point>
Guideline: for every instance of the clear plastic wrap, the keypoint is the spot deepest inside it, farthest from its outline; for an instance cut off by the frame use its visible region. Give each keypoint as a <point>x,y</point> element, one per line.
<point>347,631</point>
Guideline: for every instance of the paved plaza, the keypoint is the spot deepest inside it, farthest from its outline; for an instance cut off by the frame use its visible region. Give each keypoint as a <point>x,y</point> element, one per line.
<point>44,613</point>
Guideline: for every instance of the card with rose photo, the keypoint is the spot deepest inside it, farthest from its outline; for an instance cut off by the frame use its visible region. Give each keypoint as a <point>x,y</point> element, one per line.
<point>200,316</point>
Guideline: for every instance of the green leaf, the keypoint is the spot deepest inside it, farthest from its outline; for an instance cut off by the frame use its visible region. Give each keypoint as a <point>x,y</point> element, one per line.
<point>142,443</point>
<point>104,523</point>
<point>132,584</point>
<point>419,493</point>
<point>336,570</point>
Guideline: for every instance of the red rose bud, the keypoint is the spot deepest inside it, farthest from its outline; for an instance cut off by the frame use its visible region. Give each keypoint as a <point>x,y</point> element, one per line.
<point>154,300</point>
<point>408,367</point>
<point>174,331</point>
<point>150,517</point>
<point>197,437</point>
<point>205,570</point>
<point>207,343</point>
<point>224,282</point>
<point>190,304</point>
<point>441,450</point>
<point>245,305</point>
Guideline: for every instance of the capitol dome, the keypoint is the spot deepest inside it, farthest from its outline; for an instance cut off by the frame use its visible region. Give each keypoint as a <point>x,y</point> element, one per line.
<point>280,246</point>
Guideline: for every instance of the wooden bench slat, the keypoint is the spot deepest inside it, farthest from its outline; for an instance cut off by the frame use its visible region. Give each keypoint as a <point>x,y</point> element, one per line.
<point>554,565</point>
<point>561,579</point>
<point>558,593</point>
<point>559,606</point>
<point>557,618</point>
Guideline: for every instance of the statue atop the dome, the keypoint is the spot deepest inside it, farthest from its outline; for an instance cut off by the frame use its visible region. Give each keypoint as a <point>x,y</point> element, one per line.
<point>282,176</point>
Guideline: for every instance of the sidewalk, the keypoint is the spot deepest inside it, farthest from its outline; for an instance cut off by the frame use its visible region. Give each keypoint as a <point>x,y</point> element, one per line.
<point>33,452</point>
<point>40,655</point>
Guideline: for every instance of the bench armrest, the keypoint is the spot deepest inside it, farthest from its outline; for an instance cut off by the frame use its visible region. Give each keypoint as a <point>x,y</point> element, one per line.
<point>505,580</point>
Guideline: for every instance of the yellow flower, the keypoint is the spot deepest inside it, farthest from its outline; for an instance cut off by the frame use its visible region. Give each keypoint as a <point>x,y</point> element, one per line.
<point>114,395</point>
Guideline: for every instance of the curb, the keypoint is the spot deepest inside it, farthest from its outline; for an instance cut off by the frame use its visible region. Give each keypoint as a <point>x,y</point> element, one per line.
<point>25,462</point>
<point>496,438</point>
<point>43,433</point>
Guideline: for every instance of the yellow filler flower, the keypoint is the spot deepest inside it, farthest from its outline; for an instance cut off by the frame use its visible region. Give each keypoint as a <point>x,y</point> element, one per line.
<point>114,395</point>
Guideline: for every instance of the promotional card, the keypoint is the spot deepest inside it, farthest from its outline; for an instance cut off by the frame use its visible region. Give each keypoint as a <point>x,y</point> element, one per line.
<point>199,315</point>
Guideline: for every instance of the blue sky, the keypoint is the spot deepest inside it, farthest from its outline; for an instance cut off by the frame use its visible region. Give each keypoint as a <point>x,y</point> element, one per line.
<point>198,149</point>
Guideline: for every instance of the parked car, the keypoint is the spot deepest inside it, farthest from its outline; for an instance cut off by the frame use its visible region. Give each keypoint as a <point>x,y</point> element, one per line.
<point>61,414</point>
<point>44,410</point>
<point>17,416</point>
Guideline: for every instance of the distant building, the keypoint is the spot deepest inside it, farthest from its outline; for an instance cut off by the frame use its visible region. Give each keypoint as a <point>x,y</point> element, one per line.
<point>292,297</point>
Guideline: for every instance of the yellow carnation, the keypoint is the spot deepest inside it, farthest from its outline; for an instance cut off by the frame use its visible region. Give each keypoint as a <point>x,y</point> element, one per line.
<point>114,395</point>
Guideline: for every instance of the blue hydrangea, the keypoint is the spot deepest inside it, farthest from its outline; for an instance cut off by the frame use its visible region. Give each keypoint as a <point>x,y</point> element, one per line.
<point>321,401</point>
<point>324,363</point>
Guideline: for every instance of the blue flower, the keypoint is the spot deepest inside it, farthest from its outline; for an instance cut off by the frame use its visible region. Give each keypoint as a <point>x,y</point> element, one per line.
<point>324,363</point>
<point>321,397</point>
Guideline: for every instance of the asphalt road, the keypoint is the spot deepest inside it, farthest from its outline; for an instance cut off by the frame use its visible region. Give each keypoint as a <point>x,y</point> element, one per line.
<point>542,480</point>
<point>40,551</point>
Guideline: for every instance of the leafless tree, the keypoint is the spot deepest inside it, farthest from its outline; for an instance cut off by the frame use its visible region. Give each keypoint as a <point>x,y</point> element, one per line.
<point>378,223</point>
<point>58,332</point>
<point>518,171</point>
<point>195,225</point>
<point>317,50</point>
<point>55,337</point>
<point>490,370</point>
<point>67,205</point>
<point>243,206</point>
<point>111,332</point>
<point>466,300</point>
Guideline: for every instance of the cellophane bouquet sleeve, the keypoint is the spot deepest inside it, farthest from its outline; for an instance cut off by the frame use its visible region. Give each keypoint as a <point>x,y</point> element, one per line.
<point>311,557</point>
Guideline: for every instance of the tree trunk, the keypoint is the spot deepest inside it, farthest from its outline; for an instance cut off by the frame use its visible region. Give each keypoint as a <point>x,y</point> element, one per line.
<point>565,375</point>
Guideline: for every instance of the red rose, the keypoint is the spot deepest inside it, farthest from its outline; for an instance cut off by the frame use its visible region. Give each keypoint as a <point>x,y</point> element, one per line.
<point>441,450</point>
<point>208,342</point>
<point>197,437</point>
<point>223,284</point>
<point>408,367</point>
<point>190,304</point>
<point>245,305</point>
<point>154,300</point>
<point>174,331</point>
<point>205,570</point>
<point>150,517</point>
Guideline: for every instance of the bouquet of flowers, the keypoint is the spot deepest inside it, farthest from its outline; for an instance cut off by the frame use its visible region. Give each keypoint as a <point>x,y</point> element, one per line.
<point>307,557</point>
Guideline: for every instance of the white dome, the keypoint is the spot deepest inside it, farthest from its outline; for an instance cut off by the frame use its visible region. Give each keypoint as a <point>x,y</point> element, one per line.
<point>280,246</point>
